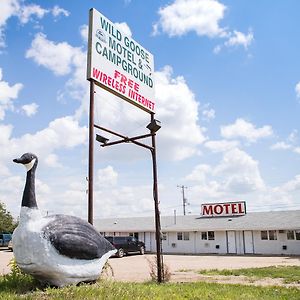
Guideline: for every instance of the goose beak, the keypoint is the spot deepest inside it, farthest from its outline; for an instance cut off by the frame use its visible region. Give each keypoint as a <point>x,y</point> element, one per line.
<point>17,160</point>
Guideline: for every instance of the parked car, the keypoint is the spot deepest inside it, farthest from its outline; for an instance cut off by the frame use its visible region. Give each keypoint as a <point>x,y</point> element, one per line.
<point>4,239</point>
<point>126,244</point>
<point>10,245</point>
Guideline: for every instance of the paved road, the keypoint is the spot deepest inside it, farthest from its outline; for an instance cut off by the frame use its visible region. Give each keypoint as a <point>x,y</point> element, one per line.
<point>5,257</point>
<point>136,267</point>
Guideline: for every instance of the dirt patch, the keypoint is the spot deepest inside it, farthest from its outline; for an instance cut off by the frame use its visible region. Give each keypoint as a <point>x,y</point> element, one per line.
<point>191,276</point>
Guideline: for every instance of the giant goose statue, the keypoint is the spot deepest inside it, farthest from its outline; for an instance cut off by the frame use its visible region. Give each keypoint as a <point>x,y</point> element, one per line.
<point>58,250</point>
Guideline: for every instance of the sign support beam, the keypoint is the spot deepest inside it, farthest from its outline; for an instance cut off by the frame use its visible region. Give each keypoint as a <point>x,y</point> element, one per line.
<point>91,155</point>
<point>152,148</point>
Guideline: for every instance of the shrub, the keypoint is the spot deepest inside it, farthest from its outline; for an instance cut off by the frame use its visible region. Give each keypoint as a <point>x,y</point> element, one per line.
<point>166,274</point>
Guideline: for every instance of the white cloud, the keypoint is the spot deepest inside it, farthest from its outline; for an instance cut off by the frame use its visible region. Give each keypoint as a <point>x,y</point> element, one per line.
<point>177,108</point>
<point>58,57</point>
<point>289,144</point>
<point>199,173</point>
<point>107,177</point>
<point>84,32</point>
<point>201,16</point>
<point>281,146</point>
<point>24,12</point>
<point>51,160</point>
<point>246,130</point>
<point>235,175</point>
<point>7,95</point>
<point>30,109</point>
<point>241,172</point>
<point>9,8</point>
<point>124,28</point>
<point>57,11</point>
<point>240,39</point>
<point>293,136</point>
<point>292,185</point>
<point>208,113</point>
<point>297,89</point>
<point>61,133</point>
<point>27,11</point>
<point>221,146</point>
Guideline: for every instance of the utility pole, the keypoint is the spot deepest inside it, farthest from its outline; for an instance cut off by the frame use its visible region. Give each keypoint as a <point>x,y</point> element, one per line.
<point>184,200</point>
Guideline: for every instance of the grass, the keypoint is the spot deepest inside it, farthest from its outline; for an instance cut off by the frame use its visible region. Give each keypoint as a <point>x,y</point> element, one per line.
<point>17,285</point>
<point>290,274</point>
<point>24,287</point>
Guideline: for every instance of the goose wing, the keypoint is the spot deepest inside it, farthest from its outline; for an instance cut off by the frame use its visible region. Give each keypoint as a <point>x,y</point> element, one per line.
<point>76,238</point>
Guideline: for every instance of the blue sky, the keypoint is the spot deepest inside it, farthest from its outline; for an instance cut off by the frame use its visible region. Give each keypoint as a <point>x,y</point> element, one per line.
<point>227,93</point>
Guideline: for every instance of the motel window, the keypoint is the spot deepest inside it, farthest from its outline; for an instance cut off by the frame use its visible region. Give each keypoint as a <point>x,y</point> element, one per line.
<point>208,235</point>
<point>164,236</point>
<point>134,234</point>
<point>179,236</point>
<point>272,235</point>
<point>264,235</point>
<point>293,234</point>
<point>290,235</point>
<point>269,235</point>
<point>211,235</point>
<point>186,236</point>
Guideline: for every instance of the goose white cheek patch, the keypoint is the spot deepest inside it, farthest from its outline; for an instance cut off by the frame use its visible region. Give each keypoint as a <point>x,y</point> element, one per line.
<point>30,165</point>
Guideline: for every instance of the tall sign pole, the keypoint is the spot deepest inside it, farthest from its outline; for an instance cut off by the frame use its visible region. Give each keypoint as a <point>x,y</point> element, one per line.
<point>123,67</point>
<point>91,155</point>
<point>156,208</point>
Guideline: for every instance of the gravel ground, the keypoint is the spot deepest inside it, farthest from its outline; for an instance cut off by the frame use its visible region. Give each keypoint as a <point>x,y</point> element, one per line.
<point>136,267</point>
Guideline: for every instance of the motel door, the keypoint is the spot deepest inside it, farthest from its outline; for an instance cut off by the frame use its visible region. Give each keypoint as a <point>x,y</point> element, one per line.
<point>231,242</point>
<point>248,242</point>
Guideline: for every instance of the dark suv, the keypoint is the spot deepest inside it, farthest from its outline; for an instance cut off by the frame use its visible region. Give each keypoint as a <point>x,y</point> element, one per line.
<point>126,244</point>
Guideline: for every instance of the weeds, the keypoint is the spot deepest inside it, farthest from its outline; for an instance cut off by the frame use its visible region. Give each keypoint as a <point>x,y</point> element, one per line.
<point>166,274</point>
<point>17,281</point>
<point>107,271</point>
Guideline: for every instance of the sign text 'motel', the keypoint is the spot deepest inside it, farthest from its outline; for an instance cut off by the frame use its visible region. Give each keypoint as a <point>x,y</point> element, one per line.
<point>119,64</point>
<point>223,209</point>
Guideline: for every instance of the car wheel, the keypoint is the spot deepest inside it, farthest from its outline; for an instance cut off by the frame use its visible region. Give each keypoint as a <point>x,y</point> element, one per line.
<point>142,250</point>
<point>120,253</point>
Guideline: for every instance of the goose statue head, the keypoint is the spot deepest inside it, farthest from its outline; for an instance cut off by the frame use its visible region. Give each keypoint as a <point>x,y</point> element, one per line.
<point>59,249</point>
<point>30,161</point>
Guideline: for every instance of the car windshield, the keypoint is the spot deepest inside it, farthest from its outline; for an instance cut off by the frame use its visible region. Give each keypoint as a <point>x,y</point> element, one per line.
<point>120,239</point>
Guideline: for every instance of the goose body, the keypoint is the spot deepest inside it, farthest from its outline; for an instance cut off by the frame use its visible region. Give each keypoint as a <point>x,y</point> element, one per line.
<point>59,250</point>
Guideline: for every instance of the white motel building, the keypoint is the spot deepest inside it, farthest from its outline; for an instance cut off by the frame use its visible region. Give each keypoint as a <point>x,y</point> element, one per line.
<point>218,230</point>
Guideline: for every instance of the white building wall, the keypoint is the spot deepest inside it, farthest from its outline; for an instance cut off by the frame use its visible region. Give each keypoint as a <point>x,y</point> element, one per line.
<point>275,246</point>
<point>195,245</point>
<point>218,245</point>
<point>245,242</point>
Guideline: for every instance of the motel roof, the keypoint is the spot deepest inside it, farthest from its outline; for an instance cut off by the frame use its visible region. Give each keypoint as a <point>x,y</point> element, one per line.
<point>275,220</point>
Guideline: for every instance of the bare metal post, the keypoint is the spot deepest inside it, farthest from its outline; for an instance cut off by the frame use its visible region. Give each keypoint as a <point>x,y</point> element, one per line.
<point>157,213</point>
<point>91,155</point>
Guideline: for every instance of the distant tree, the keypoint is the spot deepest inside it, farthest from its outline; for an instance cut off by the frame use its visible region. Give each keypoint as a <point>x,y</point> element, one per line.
<point>7,223</point>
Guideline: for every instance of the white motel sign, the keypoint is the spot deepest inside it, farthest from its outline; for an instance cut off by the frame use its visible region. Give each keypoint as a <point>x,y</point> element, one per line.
<point>223,209</point>
<point>119,64</point>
